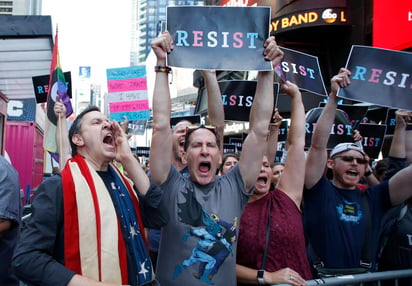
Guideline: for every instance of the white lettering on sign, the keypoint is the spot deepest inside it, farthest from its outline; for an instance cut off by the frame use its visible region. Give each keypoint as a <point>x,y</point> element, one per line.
<point>15,108</point>
<point>410,16</point>
<point>409,239</point>
<point>239,3</point>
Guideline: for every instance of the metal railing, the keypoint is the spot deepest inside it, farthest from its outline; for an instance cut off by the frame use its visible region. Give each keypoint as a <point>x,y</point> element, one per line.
<point>360,279</point>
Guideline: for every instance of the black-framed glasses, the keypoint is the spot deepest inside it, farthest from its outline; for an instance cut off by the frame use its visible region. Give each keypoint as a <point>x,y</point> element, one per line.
<point>350,159</point>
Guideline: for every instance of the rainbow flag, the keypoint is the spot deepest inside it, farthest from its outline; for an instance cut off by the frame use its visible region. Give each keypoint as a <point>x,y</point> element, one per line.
<point>57,89</point>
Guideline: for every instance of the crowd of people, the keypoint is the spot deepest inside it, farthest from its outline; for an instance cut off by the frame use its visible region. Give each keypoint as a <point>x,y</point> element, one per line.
<point>202,217</point>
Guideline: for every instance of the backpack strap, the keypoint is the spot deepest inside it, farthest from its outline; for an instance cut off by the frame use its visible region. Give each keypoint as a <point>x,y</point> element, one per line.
<point>365,261</point>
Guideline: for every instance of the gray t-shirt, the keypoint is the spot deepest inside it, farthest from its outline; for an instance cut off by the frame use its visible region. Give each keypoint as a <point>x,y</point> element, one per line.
<point>198,244</point>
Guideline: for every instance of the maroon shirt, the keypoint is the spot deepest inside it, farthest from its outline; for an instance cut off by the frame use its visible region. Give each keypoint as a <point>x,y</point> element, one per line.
<point>286,242</point>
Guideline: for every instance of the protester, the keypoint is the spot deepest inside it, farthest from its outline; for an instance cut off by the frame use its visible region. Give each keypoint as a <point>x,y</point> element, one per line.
<point>271,247</point>
<point>228,162</point>
<point>10,220</point>
<point>341,222</point>
<point>86,224</point>
<point>216,117</point>
<point>204,208</point>
<point>395,243</point>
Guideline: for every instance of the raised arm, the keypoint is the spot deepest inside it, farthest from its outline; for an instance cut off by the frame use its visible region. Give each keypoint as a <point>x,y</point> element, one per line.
<point>317,156</point>
<point>291,183</point>
<point>161,146</point>
<point>255,143</point>
<point>62,133</point>
<point>273,137</point>
<point>398,147</point>
<point>215,109</point>
<point>399,184</point>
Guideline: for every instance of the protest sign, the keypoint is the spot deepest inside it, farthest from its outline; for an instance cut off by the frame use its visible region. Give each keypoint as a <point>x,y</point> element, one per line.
<point>127,88</point>
<point>379,76</point>
<point>142,151</point>
<point>219,38</point>
<point>355,113</point>
<point>303,70</point>
<point>372,138</point>
<point>237,98</point>
<point>229,148</point>
<point>137,127</point>
<point>283,131</point>
<point>41,86</point>
<point>340,132</point>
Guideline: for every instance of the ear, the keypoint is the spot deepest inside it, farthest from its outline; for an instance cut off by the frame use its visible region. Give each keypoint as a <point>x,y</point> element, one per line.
<point>330,164</point>
<point>77,140</point>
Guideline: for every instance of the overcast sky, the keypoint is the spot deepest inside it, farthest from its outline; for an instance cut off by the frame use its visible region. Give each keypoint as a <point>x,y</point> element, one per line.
<point>91,33</point>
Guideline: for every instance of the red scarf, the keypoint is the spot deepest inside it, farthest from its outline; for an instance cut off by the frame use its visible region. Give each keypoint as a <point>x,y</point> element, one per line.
<point>83,192</point>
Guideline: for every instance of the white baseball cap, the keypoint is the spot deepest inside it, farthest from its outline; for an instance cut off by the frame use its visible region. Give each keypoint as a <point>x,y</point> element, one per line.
<point>342,147</point>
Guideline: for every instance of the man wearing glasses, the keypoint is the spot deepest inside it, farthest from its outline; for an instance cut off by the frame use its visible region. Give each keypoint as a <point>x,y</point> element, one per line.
<point>196,200</point>
<point>340,220</point>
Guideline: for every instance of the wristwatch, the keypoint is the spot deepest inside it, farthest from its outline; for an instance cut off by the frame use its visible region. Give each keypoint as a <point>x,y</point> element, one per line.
<point>260,279</point>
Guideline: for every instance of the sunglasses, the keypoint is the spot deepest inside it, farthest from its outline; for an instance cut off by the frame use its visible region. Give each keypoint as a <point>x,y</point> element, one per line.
<point>350,159</point>
<point>194,127</point>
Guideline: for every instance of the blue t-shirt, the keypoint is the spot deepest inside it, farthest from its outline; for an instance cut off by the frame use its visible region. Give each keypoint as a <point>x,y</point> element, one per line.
<point>334,222</point>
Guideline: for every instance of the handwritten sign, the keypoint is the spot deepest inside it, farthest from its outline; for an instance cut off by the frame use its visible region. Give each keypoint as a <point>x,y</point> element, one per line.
<point>127,89</point>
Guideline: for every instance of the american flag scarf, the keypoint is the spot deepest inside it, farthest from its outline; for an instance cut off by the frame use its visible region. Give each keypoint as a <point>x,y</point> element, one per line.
<point>99,252</point>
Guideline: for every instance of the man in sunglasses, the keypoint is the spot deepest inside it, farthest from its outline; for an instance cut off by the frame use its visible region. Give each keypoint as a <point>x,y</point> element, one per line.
<point>194,200</point>
<point>341,221</point>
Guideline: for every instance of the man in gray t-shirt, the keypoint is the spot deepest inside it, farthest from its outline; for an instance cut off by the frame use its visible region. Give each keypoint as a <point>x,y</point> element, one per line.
<point>198,245</point>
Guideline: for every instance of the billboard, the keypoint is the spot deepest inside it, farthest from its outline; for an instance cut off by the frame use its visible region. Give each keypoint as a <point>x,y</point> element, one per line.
<point>292,14</point>
<point>392,24</point>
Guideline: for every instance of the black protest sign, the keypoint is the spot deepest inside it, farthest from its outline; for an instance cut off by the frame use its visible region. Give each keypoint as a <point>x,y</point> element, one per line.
<point>379,76</point>
<point>229,148</point>
<point>356,113</point>
<point>283,131</point>
<point>237,98</point>
<point>278,156</point>
<point>372,138</point>
<point>219,38</point>
<point>142,151</point>
<point>341,130</point>
<point>390,121</point>
<point>238,142</point>
<point>303,70</point>
<point>41,86</point>
<point>137,127</point>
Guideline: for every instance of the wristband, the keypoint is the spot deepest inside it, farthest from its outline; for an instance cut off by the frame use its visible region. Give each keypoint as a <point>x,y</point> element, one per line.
<point>164,69</point>
<point>368,173</point>
<point>259,277</point>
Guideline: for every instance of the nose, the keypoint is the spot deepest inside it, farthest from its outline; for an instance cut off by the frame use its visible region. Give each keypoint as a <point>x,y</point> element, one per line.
<point>204,149</point>
<point>107,124</point>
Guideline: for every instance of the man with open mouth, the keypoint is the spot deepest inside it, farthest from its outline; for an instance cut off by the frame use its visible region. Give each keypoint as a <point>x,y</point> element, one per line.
<point>341,221</point>
<point>198,245</point>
